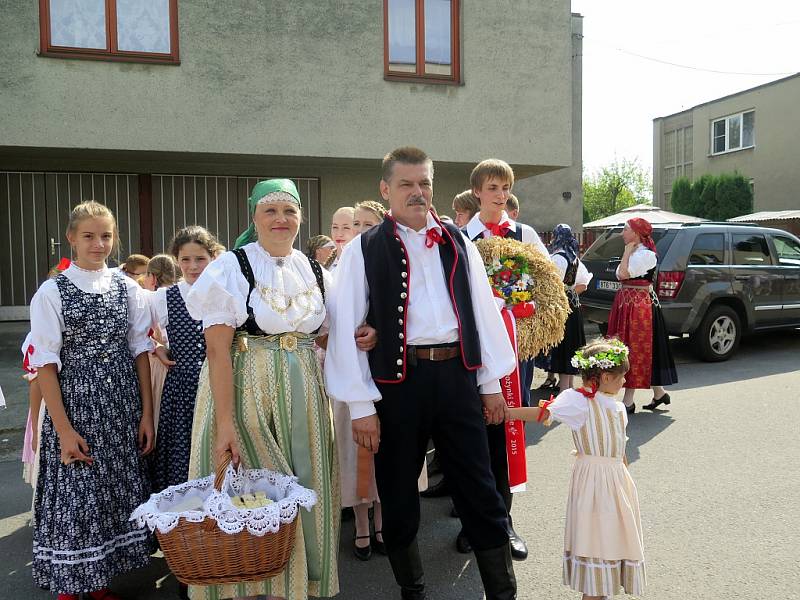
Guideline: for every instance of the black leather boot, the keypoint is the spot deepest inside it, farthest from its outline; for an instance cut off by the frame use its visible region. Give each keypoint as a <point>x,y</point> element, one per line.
<point>407,568</point>
<point>497,573</point>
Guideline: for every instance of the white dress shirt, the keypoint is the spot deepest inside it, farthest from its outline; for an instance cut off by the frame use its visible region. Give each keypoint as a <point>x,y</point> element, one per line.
<point>476,227</point>
<point>640,262</point>
<point>47,317</point>
<point>430,319</point>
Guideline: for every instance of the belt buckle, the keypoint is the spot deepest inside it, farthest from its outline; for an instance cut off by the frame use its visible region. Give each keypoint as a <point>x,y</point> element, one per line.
<point>288,342</point>
<point>435,355</point>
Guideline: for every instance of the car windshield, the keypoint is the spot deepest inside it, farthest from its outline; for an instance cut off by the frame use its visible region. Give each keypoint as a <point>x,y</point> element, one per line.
<point>610,246</point>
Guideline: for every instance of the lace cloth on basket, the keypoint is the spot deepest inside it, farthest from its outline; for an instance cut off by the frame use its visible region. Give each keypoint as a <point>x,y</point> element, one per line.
<point>164,510</point>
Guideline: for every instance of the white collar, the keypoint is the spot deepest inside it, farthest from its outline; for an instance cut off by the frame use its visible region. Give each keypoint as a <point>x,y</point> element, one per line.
<point>476,227</point>
<point>431,223</point>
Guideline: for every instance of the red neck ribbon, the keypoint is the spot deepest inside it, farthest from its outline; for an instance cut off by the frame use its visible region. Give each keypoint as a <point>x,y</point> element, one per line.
<point>590,393</point>
<point>433,237</point>
<point>499,228</point>
<point>64,264</point>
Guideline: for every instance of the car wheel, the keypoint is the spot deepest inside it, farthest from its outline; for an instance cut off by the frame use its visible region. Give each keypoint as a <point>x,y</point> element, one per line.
<point>718,336</point>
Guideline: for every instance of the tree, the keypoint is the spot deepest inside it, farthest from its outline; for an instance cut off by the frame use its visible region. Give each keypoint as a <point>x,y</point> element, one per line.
<point>619,185</point>
<point>715,197</point>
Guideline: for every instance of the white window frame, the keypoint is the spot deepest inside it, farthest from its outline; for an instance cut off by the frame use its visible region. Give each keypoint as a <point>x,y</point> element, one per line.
<point>727,119</point>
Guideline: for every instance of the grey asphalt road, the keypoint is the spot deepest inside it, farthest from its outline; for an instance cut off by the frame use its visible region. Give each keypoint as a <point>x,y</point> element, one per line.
<point>718,481</point>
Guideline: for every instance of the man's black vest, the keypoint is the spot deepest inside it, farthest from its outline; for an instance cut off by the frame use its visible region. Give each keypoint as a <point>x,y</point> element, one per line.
<point>388,271</point>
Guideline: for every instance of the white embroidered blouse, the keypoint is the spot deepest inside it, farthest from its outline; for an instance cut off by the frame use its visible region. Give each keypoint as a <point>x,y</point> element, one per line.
<point>286,297</point>
<point>47,319</point>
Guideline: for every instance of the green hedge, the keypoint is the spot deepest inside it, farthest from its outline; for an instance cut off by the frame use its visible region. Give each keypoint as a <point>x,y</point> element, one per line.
<point>715,197</point>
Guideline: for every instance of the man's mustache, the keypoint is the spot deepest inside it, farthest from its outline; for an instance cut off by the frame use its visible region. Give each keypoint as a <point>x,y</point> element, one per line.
<point>416,201</point>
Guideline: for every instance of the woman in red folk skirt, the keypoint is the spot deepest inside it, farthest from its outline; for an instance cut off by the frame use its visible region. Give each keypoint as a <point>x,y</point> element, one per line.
<point>636,318</point>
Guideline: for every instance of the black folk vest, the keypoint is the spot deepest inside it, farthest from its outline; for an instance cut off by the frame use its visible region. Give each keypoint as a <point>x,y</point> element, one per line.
<point>387,268</point>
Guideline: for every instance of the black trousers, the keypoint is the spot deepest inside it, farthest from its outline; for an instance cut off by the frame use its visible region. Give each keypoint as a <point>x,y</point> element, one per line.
<point>499,460</point>
<point>437,400</point>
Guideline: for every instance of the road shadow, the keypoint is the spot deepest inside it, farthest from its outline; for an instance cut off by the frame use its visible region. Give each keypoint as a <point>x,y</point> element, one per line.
<point>448,574</point>
<point>643,427</point>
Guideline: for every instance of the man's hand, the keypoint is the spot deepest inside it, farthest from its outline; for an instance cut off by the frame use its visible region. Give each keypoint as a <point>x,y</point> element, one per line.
<point>494,408</point>
<point>366,338</point>
<point>367,432</point>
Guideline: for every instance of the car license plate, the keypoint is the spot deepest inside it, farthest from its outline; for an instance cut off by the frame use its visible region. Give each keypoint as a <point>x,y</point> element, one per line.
<point>608,285</point>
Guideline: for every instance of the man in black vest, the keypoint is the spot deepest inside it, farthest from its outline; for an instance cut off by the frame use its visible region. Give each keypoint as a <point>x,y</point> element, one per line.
<point>434,372</point>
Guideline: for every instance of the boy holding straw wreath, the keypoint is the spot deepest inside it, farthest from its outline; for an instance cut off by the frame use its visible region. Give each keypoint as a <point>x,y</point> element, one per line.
<point>491,182</point>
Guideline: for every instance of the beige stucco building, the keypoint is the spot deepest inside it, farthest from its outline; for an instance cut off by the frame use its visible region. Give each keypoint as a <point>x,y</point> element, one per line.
<point>754,132</point>
<point>170,117</point>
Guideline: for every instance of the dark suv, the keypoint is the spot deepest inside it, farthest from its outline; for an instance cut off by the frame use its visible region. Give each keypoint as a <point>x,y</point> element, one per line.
<point>715,281</point>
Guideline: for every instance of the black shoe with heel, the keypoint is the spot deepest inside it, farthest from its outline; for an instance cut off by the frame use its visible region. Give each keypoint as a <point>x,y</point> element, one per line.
<point>665,399</point>
<point>364,553</point>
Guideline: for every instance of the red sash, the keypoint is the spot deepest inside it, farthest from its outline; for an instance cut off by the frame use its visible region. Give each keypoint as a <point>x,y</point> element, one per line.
<point>515,430</point>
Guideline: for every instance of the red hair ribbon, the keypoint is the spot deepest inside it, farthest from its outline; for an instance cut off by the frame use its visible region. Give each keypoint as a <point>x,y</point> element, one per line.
<point>543,406</point>
<point>590,393</point>
<point>433,237</point>
<point>63,264</point>
<point>643,228</point>
<point>500,229</point>
<point>26,360</point>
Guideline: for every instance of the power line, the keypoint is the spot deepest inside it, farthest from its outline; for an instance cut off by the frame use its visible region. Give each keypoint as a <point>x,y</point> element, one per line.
<point>690,67</point>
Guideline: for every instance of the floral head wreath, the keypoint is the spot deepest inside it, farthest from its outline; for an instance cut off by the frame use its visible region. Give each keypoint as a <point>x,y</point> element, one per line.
<point>613,357</point>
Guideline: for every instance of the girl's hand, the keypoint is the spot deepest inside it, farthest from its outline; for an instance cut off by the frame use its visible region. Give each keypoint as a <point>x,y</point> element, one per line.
<point>226,442</point>
<point>147,437</point>
<point>322,341</point>
<point>162,354</point>
<point>629,248</point>
<point>74,448</point>
<point>366,338</point>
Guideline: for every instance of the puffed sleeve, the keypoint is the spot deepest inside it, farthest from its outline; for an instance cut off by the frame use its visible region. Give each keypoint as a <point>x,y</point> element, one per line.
<point>583,276</point>
<point>497,354</point>
<point>571,408</point>
<point>158,308</point>
<point>529,236</point>
<point>139,319</point>
<point>47,323</point>
<point>219,296</point>
<point>640,262</point>
<point>561,264</point>
<point>347,375</point>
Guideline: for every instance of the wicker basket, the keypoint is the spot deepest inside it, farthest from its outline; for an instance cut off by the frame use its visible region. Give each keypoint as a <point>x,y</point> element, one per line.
<point>202,554</point>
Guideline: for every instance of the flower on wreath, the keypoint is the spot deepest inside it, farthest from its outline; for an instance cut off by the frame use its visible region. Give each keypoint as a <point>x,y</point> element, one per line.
<point>531,288</point>
<point>614,357</point>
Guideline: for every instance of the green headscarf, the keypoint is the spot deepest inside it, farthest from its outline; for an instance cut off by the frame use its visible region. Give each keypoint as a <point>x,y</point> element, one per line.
<point>285,191</point>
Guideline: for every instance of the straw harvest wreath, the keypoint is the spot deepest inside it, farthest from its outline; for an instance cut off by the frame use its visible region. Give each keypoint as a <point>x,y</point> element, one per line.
<point>520,274</point>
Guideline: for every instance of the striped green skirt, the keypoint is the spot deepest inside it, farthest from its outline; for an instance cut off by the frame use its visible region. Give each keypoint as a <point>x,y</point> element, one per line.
<point>284,423</point>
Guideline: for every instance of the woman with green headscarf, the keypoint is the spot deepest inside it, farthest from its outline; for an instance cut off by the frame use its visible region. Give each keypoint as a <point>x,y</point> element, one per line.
<point>261,395</point>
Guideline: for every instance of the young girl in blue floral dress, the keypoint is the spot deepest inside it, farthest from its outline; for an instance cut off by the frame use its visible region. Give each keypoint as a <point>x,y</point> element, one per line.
<point>603,549</point>
<point>193,248</point>
<point>89,330</point>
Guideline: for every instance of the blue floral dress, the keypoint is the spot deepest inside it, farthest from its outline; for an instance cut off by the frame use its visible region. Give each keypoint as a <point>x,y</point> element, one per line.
<point>187,346</point>
<point>82,537</point>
